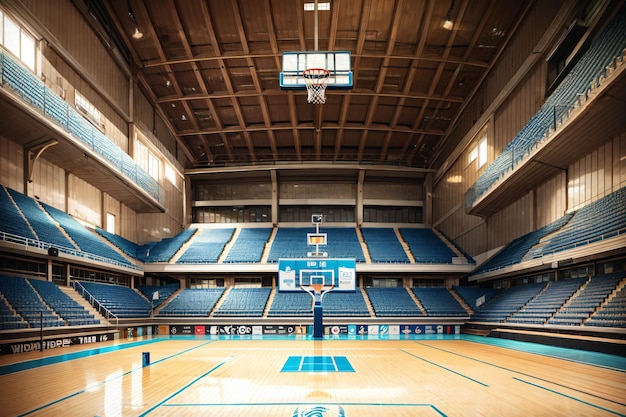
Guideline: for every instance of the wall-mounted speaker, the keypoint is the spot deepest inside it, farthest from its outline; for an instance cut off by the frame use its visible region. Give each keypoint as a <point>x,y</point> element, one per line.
<point>53,251</point>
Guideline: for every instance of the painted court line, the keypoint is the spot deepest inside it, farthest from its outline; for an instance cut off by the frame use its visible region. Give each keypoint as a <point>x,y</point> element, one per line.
<point>525,374</point>
<point>51,360</point>
<point>301,404</point>
<point>157,405</point>
<point>99,384</point>
<point>571,398</point>
<point>443,367</point>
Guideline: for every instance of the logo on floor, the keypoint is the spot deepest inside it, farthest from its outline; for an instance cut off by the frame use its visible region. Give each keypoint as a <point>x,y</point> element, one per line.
<point>320,411</point>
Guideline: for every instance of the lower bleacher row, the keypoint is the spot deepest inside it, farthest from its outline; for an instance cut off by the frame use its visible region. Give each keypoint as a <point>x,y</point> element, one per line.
<point>597,301</point>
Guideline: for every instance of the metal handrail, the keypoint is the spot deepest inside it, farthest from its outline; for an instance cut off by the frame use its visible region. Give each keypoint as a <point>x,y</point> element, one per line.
<point>94,302</point>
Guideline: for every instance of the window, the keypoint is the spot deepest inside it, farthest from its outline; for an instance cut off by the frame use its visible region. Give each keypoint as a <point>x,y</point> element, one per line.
<point>170,174</point>
<point>17,40</point>
<point>147,160</point>
<point>110,226</point>
<point>88,110</point>
<point>479,152</point>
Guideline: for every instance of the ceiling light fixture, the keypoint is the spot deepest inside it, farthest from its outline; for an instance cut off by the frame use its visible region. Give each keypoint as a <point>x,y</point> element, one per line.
<point>448,23</point>
<point>137,35</point>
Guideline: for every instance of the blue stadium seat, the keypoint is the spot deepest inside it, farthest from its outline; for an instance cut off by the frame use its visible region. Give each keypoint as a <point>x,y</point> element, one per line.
<point>192,302</point>
<point>384,245</point>
<point>392,302</point>
<point>207,246</point>
<point>246,302</point>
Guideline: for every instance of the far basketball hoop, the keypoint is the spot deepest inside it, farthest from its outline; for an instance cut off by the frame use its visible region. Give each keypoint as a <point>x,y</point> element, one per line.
<point>316,80</point>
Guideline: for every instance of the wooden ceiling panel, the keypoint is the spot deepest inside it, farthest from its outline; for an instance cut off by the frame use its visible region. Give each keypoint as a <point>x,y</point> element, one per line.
<point>217,63</point>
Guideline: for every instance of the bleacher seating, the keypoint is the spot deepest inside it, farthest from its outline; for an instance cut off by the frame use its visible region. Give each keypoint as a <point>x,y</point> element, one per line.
<point>83,238</point>
<point>27,302</point>
<point>164,292</point>
<point>123,302</point>
<point>475,296</point>
<point>583,304</point>
<point>207,246</point>
<point>291,242</point>
<point>46,230</point>
<point>574,87</point>
<point>439,302</point>
<point>602,219</point>
<point>517,249</point>
<point>344,304</point>
<point>65,306</point>
<point>506,303</point>
<point>384,245</point>
<point>125,245</point>
<point>9,320</point>
<point>248,302</point>
<point>612,314</point>
<point>291,304</point>
<point>13,221</point>
<point>427,247</point>
<point>25,84</point>
<point>392,302</point>
<point>165,249</point>
<point>546,303</point>
<point>193,302</point>
<point>249,246</point>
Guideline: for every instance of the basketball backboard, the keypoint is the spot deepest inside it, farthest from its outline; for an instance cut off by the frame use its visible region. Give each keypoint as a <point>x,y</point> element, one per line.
<point>337,63</point>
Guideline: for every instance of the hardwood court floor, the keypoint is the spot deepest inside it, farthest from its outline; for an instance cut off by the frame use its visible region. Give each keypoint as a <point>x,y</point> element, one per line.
<point>295,376</point>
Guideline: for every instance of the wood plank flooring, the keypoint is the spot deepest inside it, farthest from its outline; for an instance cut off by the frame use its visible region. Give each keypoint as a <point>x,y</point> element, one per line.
<point>234,377</point>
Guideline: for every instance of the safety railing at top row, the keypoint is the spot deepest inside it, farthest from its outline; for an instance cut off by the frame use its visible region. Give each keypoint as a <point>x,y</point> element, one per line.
<point>23,83</point>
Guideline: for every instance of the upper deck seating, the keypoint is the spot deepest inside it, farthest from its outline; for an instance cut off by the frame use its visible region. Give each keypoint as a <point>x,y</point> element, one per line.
<point>517,249</point>
<point>291,242</point>
<point>439,302</point>
<point>392,302</point>
<point>165,249</point>
<point>475,296</point>
<point>27,85</point>
<point>46,230</point>
<point>124,302</point>
<point>291,304</point>
<point>248,302</point>
<point>83,238</point>
<point>427,247</point>
<point>12,220</point>
<point>344,304</point>
<point>587,301</point>
<point>125,245</point>
<point>507,303</point>
<point>207,246</point>
<point>27,303</point>
<point>384,245</point>
<point>592,65</point>
<point>545,304</point>
<point>197,302</point>
<point>65,306</point>
<point>602,219</point>
<point>249,246</point>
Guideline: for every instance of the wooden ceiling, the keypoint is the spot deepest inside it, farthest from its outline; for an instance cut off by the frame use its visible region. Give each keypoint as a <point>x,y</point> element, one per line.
<point>212,67</point>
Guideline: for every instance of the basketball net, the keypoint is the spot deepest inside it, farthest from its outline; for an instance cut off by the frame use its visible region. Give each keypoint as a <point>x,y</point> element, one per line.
<point>316,80</point>
<point>317,291</point>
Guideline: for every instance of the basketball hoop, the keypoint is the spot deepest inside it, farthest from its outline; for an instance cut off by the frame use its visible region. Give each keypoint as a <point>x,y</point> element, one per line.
<point>316,80</point>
